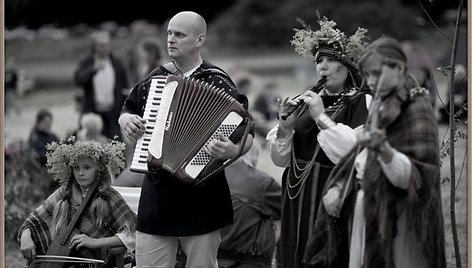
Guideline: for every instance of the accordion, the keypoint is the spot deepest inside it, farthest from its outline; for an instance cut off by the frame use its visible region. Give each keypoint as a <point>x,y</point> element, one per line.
<point>182,116</point>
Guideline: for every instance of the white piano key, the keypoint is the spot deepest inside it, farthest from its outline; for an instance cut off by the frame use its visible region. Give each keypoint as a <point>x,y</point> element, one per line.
<point>139,162</point>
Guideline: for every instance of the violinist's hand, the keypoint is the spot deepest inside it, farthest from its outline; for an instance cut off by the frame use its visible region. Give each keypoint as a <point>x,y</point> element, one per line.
<point>82,240</point>
<point>132,126</point>
<point>27,245</point>
<point>314,103</point>
<point>332,201</point>
<point>284,107</point>
<point>372,139</point>
<point>376,140</point>
<point>222,148</point>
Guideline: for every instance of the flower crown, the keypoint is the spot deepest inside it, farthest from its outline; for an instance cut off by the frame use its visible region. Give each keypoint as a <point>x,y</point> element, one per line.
<point>62,156</point>
<point>329,40</point>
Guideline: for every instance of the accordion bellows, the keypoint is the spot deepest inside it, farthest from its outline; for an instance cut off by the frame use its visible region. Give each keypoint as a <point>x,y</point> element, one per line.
<point>191,113</point>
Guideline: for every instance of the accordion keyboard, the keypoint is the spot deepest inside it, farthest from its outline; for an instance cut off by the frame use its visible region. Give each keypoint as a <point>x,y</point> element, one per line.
<point>153,102</point>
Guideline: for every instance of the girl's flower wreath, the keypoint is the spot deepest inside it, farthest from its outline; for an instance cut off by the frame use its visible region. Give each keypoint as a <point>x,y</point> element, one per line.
<point>62,156</point>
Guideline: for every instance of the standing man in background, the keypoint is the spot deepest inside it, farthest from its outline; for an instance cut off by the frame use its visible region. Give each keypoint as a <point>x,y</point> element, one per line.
<point>104,80</point>
<point>171,211</point>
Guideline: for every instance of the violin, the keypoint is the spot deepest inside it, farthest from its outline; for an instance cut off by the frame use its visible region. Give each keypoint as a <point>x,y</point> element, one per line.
<point>372,123</point>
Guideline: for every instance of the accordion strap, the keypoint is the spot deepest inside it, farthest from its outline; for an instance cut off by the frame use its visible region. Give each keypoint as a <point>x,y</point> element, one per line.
<point>208,69</point>
<point>170,67</point>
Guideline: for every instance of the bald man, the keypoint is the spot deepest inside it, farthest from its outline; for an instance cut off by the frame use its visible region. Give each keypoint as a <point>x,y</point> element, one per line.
<point>171,211</point>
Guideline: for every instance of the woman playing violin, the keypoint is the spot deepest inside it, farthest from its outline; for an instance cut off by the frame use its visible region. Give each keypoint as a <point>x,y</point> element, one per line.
<point>397,217</point>
<point>301,140</point>
<point>107,220</point>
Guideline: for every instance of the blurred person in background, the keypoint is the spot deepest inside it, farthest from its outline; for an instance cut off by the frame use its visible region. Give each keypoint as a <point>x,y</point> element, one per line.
<point>265,109</point>
<point>242,77</point>
<point>41,135</point>
<point>250,241</point>
<point>11,85</point>
<point>91,128</point>
<point>420,65</point>
<point>146,57</point>
<point>104,81</point>
<point>308,142</point>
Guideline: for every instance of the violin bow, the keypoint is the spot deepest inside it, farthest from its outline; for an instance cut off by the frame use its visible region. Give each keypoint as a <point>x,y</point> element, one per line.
<point>373,123</point>
<point>57,258</point>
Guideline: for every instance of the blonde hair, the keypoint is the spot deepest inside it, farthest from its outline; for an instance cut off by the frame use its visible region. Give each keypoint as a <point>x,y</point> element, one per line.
<point>99,207</point>
<point>60,160</point>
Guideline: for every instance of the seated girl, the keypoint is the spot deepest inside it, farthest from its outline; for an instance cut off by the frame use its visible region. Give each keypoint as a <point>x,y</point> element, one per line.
<point>107,220</point>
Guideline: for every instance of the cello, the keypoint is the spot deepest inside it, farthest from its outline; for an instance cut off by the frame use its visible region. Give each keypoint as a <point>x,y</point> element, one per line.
<point>59,248</point>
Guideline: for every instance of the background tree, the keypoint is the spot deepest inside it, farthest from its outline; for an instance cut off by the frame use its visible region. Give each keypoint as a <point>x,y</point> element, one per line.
<point>262,23</point>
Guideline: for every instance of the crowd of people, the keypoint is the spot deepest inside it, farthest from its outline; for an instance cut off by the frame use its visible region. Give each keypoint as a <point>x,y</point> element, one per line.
<point>360,152</point>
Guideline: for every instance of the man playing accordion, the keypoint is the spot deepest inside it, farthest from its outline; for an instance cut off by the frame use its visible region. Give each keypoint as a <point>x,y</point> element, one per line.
<point>170,210</point>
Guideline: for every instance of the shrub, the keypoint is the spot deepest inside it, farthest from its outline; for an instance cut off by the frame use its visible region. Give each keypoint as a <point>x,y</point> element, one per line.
<point>26,185</point>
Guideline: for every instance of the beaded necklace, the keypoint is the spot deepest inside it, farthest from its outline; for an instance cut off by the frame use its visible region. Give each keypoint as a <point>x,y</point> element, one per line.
<point>83,191</point>
<point>301,172</point>
<point>334,109</point>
